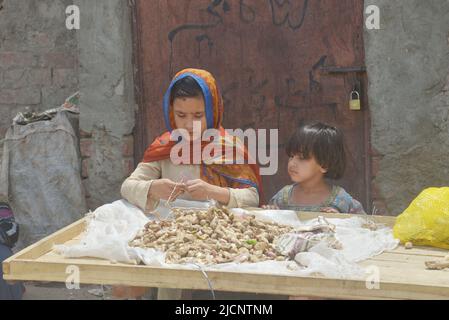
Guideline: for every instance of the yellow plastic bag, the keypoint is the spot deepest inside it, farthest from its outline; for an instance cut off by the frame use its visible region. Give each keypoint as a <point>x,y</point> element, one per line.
<point>426,221</point>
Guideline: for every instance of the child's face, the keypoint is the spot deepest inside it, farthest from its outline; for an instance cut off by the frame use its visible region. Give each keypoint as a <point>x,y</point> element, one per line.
<point>188,110</point>
<point>301,170</point>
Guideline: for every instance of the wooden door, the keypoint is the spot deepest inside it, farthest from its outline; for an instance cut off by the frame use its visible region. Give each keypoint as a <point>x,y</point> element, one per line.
<point>278,63</point>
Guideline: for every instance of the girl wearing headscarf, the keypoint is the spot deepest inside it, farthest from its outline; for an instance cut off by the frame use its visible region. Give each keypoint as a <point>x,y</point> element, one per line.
<point>193,95</point>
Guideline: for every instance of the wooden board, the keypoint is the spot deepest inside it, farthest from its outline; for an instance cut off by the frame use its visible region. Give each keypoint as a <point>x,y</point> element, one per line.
<point>402,273</point>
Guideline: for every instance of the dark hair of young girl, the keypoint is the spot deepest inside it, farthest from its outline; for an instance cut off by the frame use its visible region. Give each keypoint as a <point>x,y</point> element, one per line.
<point>185,88</point>
<point>322,141</point>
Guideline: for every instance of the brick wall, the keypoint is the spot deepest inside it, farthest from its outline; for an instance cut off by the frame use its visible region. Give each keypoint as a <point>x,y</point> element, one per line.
<point>42,63</point>
<point>88,148</point>
<point>38,58</point>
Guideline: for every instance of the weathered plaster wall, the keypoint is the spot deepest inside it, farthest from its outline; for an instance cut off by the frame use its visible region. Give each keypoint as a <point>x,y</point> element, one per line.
<point>107,103</point>
<point>408,71</point>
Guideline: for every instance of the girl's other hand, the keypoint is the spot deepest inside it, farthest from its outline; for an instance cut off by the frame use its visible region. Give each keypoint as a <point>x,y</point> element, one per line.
<point>199,190</point>
<point>164,188</point>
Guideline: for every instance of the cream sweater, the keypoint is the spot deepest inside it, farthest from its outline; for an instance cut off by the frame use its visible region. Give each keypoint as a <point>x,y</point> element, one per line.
<point>136,187</point>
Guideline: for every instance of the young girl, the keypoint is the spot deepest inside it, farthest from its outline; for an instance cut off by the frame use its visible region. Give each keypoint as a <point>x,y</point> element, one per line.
<point>316,152</point>
<point>193,95</point>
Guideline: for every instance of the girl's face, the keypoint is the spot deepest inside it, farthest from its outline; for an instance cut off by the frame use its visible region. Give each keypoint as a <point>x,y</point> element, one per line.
<point>188,110</point>
<point>302,170</point>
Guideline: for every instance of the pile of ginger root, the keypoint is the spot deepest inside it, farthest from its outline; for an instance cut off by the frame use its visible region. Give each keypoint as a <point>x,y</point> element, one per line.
<point>211,236</point>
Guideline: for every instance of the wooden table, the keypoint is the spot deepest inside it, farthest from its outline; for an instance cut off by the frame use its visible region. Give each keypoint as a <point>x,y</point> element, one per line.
<point>402,272</point>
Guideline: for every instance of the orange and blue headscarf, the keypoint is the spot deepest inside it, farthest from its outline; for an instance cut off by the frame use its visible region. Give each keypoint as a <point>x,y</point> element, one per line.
<point>223,174</point>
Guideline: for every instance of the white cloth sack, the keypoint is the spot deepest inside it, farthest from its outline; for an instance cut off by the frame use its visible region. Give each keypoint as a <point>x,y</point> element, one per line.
<point>40,177</point>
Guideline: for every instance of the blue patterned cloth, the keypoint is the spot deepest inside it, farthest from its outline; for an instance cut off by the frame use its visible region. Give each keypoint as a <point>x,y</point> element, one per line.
<point>339,200</point>
<point>9,291</point>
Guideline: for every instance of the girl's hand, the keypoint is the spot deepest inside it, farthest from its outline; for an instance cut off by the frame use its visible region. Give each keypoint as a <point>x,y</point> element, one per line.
<point>163,188</point>
<point>200,190</point>
<point>329,210</point>
<point>270,207</point>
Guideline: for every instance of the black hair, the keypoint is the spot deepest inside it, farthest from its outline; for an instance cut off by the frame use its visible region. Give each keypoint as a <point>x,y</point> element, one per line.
<point>322,141</point>
<point>185,88</point>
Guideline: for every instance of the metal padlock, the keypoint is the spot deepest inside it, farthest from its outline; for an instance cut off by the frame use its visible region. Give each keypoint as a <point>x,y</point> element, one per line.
<point>354,104</point>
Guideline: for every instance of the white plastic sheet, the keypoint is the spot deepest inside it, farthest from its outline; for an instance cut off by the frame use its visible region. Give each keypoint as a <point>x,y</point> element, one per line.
<point>112,226</point>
